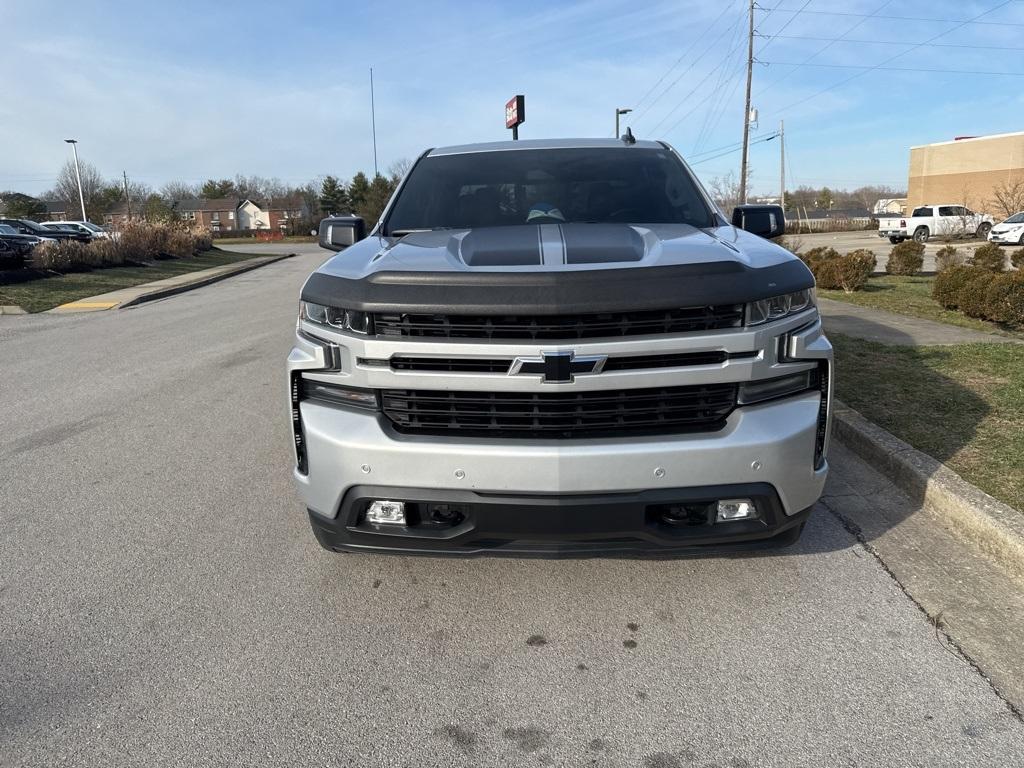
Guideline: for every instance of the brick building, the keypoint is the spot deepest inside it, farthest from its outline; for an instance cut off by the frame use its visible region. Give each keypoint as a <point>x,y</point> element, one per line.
<point>965,170</point>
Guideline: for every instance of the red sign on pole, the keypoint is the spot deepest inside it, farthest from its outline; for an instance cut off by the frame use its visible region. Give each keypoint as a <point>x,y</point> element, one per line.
<point>515,111</point>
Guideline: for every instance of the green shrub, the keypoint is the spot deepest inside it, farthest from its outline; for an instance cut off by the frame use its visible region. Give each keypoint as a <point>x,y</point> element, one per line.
<point>1017,258</point>
<point>949,283</point>
<point>1004,298</point>
<point>848,273</point>
<point>906,258</point>
<point>947,257</point>
<point>988,256</point>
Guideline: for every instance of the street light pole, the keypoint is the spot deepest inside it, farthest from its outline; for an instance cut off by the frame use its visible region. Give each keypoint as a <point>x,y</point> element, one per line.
<point>620,111</point>
<point>78,174</point>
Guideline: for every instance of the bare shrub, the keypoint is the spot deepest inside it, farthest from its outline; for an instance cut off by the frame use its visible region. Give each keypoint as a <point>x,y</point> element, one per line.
<point>906,258</point>
<point>947,257</point>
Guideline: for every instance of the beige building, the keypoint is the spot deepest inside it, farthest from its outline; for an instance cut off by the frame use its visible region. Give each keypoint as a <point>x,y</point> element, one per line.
<point>964,171</point>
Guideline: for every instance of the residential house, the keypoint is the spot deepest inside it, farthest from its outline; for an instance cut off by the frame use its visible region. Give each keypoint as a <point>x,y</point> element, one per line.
<point>227,213</point>
<point>211,214</point>
<point>895,205</point>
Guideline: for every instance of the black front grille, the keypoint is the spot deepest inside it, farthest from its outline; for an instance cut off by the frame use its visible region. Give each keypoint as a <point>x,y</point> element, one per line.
<point>603,325</point>
<point>561,414</point>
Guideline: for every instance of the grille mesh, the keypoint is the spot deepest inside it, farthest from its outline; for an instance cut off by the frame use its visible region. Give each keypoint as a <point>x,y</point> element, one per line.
<point>603,325</point>
<point>561,414</point>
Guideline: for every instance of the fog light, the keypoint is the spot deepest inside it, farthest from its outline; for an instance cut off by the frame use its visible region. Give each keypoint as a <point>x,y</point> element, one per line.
<point>736,509</point>
<point>386,513</point>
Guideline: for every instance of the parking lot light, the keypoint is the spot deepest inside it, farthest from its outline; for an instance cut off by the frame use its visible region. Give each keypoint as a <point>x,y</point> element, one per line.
<point>78,174</point>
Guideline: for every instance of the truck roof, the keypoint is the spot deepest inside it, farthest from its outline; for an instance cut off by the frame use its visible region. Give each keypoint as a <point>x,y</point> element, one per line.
<point>505,146</point>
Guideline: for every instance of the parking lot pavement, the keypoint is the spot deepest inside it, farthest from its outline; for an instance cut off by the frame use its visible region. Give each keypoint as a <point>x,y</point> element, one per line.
<point>162,600</point>
<point>302,249</point>
<point>844,242</point>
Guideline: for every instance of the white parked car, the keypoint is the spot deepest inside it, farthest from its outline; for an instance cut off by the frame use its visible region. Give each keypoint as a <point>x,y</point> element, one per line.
<point>1010,231</point>
<point>94,231</point>
<point>935,221</point>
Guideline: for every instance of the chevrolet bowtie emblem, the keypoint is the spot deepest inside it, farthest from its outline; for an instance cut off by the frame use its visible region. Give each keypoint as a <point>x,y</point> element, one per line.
<point>557,367</point>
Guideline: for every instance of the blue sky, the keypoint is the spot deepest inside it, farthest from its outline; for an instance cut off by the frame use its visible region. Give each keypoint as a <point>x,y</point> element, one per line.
<point>192,90</point>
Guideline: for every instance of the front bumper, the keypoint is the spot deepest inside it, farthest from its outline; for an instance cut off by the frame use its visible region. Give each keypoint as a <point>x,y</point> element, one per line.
<point>599,489</point>
<point>622,524</point>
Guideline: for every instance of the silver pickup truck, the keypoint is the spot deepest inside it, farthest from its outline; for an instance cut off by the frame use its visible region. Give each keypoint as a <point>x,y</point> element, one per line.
<point>559,348</point>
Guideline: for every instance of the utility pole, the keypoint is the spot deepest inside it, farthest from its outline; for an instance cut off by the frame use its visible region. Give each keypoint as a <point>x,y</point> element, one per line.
<point>127,197</point>
<point>373,123</point>
<point>782,163</point>
<point>78,174</point>
<point>746,106</point>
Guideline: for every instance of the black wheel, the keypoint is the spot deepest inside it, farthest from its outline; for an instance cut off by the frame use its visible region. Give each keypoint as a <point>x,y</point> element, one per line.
<point>921,235</point>
<point>983,229</point>
<point>895,240</point>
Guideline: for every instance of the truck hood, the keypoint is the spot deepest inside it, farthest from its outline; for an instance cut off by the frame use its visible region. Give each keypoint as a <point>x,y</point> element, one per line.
<point>556,268</point>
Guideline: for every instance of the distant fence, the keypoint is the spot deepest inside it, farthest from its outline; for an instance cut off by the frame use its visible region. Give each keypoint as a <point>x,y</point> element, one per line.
<point>798,225</point>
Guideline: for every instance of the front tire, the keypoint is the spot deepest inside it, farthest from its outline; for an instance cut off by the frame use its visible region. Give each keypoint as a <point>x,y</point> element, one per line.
<point>895,240</point>
<point>921,235</point>
<point>983,229</point>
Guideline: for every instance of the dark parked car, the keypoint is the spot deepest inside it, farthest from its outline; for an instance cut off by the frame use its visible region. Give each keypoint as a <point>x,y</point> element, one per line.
<point>16,242</point>
<point>26,227</point>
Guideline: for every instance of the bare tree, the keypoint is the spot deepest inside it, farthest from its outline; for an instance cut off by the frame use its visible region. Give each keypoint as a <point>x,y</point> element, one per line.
<point>1007,198</point>
<point>178,190</point>
<point>399,168</point>
<point>725,190</point>
<point>66,188</point>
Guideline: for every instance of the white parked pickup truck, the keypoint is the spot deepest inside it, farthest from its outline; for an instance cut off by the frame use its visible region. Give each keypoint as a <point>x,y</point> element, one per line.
<point>935,221</point>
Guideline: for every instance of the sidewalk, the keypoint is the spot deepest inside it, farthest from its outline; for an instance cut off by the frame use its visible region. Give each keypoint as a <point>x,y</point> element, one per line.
<point>158,289</point>
<point>888,328</point>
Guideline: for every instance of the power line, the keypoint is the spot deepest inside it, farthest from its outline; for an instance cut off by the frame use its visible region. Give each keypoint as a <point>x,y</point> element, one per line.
<point>694,90</point>
<point>720,96</point>
<point>960,22</point>
<point>896,56</point>
<point>725,9</point>
<point>684,72</point>
<point>895,69</point>
<point>899,42</point>
<point>736,149</point>
<point>783,27</point>
<point>825,47</point>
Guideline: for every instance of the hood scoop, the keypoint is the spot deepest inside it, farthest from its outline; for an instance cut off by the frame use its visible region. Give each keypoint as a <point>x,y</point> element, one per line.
<point>551,245</point>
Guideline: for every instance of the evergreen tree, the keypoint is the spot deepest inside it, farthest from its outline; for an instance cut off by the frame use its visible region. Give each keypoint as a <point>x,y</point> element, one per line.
<point>358,190</point>
<point>214,189</point>
<point>334,198</point>
<point>377,196</point>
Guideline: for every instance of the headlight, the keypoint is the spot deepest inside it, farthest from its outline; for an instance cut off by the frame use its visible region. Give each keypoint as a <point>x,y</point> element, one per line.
<point>335,317</point>
<point>778,307</point>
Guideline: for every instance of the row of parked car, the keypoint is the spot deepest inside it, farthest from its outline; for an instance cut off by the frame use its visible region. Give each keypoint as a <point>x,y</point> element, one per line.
<point>20,236</point>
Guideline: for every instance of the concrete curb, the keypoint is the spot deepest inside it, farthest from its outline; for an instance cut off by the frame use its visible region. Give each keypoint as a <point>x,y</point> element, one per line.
<point>202,280</point>
<point>993,526</point>
<point>11,309</point>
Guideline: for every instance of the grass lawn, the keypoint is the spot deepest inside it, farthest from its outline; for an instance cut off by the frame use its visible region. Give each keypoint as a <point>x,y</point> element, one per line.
<point>49,292</point>
<point>963,405</point>
<point>913,296</point>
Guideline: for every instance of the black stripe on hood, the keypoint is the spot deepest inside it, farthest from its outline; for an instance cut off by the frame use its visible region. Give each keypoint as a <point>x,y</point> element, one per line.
<point>501,247</point>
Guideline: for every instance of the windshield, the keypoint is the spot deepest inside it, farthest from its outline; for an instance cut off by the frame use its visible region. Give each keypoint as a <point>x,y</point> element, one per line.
<point>34,227</point>
<point>1017,218</point>
<point>544,186</point>
<point>90,226</point>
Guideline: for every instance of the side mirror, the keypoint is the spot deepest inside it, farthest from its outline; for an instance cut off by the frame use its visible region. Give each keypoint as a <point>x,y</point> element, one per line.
<point>339,232</point>
<point>767,221</point>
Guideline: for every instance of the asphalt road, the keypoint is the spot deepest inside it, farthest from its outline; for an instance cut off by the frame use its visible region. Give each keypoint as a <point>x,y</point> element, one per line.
<point>162,601</point>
